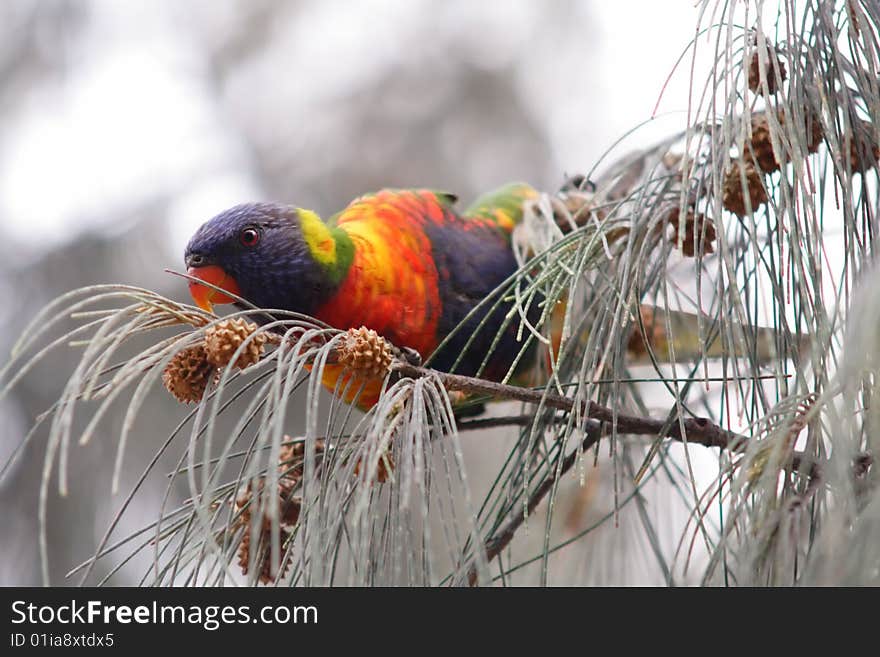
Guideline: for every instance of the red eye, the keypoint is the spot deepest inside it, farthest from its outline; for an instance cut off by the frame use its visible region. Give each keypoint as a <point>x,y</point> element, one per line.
<point>249,237</point>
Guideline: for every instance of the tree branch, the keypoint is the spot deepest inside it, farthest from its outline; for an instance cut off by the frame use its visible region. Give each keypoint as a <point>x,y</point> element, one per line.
<point>493,422</point>
<point>699,431</point>
<point>696,430</point>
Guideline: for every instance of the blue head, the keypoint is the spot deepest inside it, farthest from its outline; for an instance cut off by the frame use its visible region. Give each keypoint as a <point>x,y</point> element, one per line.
<point>257,251</point>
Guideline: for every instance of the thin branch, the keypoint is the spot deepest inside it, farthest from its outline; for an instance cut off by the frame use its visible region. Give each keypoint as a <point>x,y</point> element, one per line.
<point>696,430</point>
<point>494,422</point>
<point>496,543</point>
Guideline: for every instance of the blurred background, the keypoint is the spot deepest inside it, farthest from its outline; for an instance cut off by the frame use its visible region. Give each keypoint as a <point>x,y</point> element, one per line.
<point>124,125</point>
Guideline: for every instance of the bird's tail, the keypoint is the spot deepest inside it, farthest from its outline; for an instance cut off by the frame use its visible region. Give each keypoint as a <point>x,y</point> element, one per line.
<point>675,335</point>
<point>667,336</point>
<point>502,206</point>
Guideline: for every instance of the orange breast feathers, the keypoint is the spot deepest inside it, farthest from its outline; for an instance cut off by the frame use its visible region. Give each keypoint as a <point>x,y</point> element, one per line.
<point>392,284</point>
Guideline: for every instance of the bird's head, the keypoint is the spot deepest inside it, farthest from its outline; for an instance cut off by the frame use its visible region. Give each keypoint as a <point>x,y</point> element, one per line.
<point>274,256</point>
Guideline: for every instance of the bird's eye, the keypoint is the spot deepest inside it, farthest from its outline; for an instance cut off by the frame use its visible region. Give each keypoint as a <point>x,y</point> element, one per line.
<point>249,237</point>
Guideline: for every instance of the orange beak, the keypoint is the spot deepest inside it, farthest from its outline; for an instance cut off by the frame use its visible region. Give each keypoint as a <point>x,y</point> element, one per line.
<point>204,296</point>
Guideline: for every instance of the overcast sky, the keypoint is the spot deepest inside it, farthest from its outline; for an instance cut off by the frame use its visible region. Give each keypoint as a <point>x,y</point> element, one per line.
<point>133,116</point>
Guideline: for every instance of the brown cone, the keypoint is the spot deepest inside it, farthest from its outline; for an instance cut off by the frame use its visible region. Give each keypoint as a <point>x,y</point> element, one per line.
<point>225,337</point>
<point>366,353</point>
<point>773,81</point>
<point>811,128</point>
<point>697,227</point>
<point>760,147</point>
<point>814,130</point>
<point>188,374</point>
<point>263,558</point>
<point>733,194</point>
<point>864,152</point>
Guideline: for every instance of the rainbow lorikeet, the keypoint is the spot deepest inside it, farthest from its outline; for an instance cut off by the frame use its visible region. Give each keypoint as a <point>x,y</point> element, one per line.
<point>401,262</point>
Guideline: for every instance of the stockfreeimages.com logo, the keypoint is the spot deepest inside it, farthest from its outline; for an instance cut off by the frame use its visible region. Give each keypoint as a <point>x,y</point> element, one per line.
<point>210,617</point>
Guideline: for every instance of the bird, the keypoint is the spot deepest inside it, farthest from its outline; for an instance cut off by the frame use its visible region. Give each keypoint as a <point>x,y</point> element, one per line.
<point>402,262</point>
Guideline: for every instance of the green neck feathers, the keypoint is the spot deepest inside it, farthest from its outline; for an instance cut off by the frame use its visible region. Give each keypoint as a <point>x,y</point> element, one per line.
<point>331,248</point>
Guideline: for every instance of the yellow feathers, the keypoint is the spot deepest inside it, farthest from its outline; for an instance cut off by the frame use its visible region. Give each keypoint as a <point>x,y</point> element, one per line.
<point>317,235</point>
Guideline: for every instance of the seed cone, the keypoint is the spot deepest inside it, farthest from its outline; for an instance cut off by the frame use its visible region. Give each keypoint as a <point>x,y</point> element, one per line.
<point>263,560</point>
<point>760,146</point>
<point>733,194</point>
<point>814,131</point>
<point>811,127</point>
<point>697,227</point>
<point>244,506</point>
<point>188,374</point>
<point>366,353</point>
<point>224,338</point>
<point>774,81</point>
<point>864,152</point>
<point>290,471</point>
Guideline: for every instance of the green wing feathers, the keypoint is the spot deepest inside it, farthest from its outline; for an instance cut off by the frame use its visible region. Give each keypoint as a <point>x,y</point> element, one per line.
<point>678,332</point>
<point>502,206</point>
